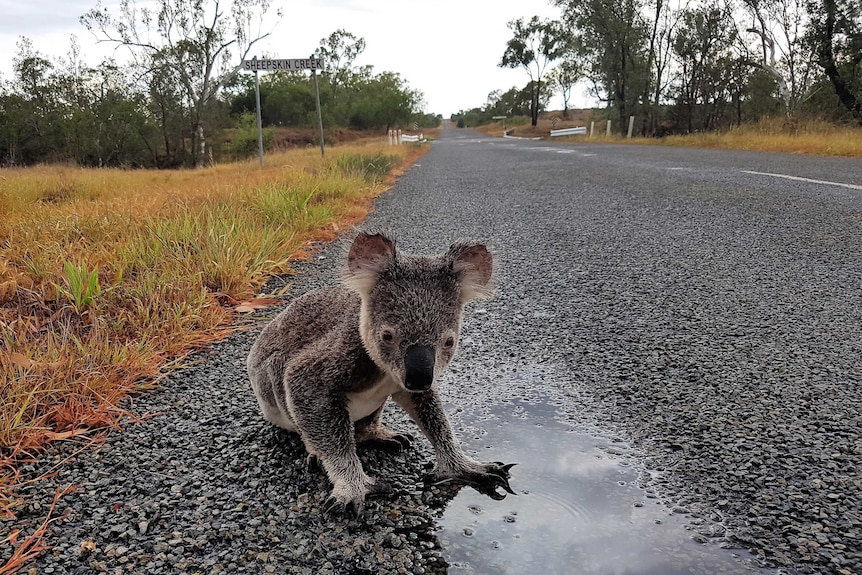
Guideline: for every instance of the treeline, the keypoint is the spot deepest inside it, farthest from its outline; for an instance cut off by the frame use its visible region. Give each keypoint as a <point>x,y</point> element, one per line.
<point>681,66</point>
<point>179,101</point>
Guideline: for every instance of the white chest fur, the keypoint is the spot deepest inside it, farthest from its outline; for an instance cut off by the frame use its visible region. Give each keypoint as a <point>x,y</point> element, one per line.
<point>364,403</point>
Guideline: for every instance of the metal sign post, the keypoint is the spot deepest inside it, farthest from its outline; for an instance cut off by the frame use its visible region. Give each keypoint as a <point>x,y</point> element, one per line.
<point>274,65</point>
<point>319,115</point>
<point>504,122</point>
<point>259,121</point>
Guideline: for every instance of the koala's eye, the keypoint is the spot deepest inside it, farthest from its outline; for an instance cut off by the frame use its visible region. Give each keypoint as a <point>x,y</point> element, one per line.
<point>387,336</point>
<point>449,343</point>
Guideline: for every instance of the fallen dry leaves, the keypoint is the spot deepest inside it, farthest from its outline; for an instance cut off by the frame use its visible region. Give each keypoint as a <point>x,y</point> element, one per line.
<point>255,304</point>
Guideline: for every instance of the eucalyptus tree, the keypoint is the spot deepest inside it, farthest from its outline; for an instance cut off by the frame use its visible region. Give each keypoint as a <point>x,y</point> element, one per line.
<point>703,48</point>
<point>568,72</point>
<point>615,40</point>
<point>383,101</point>
<point>534,45</point>
<point>340,50</point>
<point>835,35</point>
<point>196,45</point>
<point>36,112</point>
<point>779,28</point>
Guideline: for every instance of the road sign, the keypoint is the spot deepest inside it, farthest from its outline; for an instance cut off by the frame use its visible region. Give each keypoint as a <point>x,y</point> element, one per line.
<point>288,65</point>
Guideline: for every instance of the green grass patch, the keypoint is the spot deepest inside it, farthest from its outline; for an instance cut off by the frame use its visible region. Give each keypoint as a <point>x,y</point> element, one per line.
<point>370,167</point>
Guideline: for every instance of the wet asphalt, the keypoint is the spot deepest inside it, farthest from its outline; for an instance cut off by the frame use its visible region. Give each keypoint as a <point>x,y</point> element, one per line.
<point>700,306</point>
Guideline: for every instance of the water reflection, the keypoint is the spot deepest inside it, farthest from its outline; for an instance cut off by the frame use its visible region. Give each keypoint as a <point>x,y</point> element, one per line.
<point>578,510</point>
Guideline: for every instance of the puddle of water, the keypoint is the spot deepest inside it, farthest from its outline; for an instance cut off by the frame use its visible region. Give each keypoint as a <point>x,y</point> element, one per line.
<point>578,509</point>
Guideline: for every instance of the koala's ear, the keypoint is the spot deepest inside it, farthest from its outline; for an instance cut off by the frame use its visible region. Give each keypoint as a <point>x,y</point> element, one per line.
<point>369,255</point>
<point>474,265</point>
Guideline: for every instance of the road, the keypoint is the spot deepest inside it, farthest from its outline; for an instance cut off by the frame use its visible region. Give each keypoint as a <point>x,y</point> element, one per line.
<point>700,308</point>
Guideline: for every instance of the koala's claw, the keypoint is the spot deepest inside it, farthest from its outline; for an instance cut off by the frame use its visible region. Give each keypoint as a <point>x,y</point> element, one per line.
<point>395,444</point>
<point>335,506</point>
<point>405,439</point>
<point>496,475</point>
<point>313,463</point>
<point>355,504</point>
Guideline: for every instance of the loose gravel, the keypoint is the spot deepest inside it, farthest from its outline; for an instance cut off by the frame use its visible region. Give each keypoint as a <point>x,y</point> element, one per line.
<point>711,322</point>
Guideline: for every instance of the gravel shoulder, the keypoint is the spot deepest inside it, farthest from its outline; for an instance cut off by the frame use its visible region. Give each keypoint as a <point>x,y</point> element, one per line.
<point>711,320</point>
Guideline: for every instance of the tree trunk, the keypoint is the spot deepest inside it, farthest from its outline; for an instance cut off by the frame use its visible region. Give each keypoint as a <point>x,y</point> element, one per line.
<point>650,124</point>
<point>534,105</point>
<point>827,61</point>
<point>201,159</point>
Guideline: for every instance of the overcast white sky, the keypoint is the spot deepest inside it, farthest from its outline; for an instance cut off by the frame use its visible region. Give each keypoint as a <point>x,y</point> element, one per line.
<point>447,49</point>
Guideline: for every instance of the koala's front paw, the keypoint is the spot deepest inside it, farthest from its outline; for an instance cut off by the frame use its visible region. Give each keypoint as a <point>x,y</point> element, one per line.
<point>347,499</point>
<point>484,477</point>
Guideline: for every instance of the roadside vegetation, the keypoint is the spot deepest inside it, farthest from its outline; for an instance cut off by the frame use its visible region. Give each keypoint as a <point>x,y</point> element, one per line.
<point>110,277</point>
<point>156,111</point>
<point>815,137</point>
<point>796,136</point>
<point>753,74</point>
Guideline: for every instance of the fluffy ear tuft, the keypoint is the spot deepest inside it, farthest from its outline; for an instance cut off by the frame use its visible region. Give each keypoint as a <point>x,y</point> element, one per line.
<point>369,255</point>
<point>473,264</point>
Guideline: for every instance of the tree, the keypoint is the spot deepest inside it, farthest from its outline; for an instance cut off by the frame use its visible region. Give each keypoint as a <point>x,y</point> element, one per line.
<point>779,26</point>
<point>701,46</point>
<point>188,43</point>
<point>383,101</point>
<point>614,38</point>
<point>340,50</point>
<point>835,34</point>
<point>565,76</point>
<point>534,45</point>
<point>64,110</point>
<point>659,55</point>
<point>37,111</point>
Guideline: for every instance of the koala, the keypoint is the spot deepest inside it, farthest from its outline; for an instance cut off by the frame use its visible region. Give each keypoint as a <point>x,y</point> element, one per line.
<point>327,364</point>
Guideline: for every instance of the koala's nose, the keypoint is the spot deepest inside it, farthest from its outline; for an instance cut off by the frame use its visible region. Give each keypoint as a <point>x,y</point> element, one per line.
<point>419,368</point>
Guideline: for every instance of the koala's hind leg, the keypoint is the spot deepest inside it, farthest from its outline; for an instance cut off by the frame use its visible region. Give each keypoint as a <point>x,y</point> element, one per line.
<point>328,434</point>
<point>370,431</point>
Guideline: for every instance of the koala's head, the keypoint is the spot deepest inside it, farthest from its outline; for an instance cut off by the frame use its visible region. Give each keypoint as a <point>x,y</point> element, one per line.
<point>411,309</point>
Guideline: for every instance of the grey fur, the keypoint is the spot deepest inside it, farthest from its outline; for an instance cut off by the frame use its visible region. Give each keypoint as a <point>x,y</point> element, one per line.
<point>325,366</point>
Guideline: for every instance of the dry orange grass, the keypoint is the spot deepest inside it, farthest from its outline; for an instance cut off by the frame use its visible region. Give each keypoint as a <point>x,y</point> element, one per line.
<point>791,136</point>
<point>814,137</point>
<point>106,276</point>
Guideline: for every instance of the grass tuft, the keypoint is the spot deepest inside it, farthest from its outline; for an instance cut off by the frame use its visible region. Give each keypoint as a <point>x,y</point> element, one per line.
<point>371,167</point>
<point>81,286</point>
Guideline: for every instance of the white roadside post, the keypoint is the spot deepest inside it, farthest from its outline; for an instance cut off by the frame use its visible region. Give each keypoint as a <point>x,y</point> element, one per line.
<point>631,126</point>
<point>291,65</point>
<point>608,130</point>
<point>592,128</point>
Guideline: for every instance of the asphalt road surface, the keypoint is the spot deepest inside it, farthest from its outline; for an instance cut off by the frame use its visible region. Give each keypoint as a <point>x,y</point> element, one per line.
<point>699,308</point>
